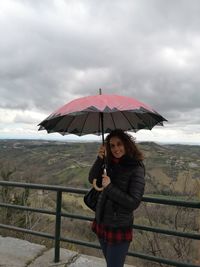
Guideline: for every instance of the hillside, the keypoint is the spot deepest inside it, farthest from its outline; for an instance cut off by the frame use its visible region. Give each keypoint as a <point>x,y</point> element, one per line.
<point>170,169</point>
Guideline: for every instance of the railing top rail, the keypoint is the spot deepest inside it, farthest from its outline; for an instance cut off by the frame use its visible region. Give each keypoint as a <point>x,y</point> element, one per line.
<point>157,200</point>
<point>173,202</point>
<point>44,187</point>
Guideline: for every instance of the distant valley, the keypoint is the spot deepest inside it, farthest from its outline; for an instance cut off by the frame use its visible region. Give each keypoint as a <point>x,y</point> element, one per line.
<point>170,169</point>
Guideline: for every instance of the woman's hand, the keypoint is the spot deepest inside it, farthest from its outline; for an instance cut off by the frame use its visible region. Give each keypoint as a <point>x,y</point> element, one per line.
<point>102,151</point>
<point>105,180</point>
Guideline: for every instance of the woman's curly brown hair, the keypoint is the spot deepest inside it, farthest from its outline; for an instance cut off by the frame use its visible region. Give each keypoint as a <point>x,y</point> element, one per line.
<point>128,142</point>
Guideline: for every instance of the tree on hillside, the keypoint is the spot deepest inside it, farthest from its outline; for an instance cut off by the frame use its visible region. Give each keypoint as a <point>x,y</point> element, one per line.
<point>13,196</point>
<point>6,195</point>
<point>169,217</point>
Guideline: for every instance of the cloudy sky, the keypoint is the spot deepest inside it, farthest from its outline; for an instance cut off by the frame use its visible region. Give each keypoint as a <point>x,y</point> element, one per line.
<point>54,51</point>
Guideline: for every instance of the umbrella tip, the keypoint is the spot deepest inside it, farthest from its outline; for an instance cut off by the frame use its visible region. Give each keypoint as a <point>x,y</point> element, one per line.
<point>100,92</point>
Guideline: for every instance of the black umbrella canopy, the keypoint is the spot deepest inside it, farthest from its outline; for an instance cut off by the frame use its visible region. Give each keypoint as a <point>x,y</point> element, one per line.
<point>101,114</point>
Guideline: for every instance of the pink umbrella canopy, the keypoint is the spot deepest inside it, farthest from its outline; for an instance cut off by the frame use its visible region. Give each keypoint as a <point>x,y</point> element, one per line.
<point>101,114</point>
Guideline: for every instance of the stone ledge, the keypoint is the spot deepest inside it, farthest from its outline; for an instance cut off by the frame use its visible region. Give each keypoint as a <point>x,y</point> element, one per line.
<point>18,253</point>
<point>46,259</point>
<point>21,253</point>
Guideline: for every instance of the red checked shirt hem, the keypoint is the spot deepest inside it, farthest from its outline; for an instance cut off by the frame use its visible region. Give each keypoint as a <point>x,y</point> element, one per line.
<point>112,235</point>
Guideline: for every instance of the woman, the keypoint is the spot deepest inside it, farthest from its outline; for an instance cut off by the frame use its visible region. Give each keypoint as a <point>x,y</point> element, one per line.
<point>123,190</point>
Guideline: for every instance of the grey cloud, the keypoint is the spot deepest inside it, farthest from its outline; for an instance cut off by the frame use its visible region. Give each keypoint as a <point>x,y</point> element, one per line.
<point>26,119</point>
<point>48,58</point>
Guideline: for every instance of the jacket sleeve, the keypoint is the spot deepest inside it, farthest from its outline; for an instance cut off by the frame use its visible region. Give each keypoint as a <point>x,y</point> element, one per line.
<point>96,170</point>
<point>130,200</point>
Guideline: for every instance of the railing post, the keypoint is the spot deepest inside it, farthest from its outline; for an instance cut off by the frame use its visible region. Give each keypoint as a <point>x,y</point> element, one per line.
<point>58,226</point>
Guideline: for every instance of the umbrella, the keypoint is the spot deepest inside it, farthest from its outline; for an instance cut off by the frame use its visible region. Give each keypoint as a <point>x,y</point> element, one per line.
<point>101,114</point>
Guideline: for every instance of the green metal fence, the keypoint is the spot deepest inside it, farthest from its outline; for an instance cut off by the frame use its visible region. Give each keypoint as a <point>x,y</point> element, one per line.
<point>59,214</point>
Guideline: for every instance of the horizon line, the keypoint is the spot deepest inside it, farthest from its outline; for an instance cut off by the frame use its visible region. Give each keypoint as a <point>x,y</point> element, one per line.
<point>95,141</point>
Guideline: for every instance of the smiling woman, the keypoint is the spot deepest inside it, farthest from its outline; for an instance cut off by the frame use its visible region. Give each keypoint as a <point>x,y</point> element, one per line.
<point>117,148</point>
<point>119,143</point>
<point>123,188</point>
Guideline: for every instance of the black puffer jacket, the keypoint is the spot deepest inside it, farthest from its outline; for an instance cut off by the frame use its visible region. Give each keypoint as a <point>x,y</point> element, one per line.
<point>123,195</point>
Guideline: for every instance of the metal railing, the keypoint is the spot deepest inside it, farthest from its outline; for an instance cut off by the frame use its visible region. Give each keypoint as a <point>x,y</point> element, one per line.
<point>59,214</point>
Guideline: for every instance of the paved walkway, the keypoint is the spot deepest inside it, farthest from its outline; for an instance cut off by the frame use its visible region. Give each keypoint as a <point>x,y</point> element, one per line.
<point>20,253</point>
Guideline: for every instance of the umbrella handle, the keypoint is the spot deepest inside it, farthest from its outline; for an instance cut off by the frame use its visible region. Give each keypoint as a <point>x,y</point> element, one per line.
<point>95,185</point>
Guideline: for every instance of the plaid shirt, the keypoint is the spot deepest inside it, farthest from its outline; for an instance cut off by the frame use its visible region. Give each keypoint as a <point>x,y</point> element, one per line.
<point>112,235</point>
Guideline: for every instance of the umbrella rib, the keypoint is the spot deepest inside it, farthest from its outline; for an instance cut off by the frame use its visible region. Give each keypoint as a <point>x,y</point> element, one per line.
<point>128,120</point>
<point>84,123</point>
<point>143,120</point>
<point>113,120</point>
<point>67,127</point>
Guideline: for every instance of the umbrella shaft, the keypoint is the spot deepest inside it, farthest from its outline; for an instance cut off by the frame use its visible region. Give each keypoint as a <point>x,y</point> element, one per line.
<point>102,130</point>
<point>102,127</point>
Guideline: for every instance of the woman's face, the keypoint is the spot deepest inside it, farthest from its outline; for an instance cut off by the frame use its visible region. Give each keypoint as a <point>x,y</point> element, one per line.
<point>117,147</point>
